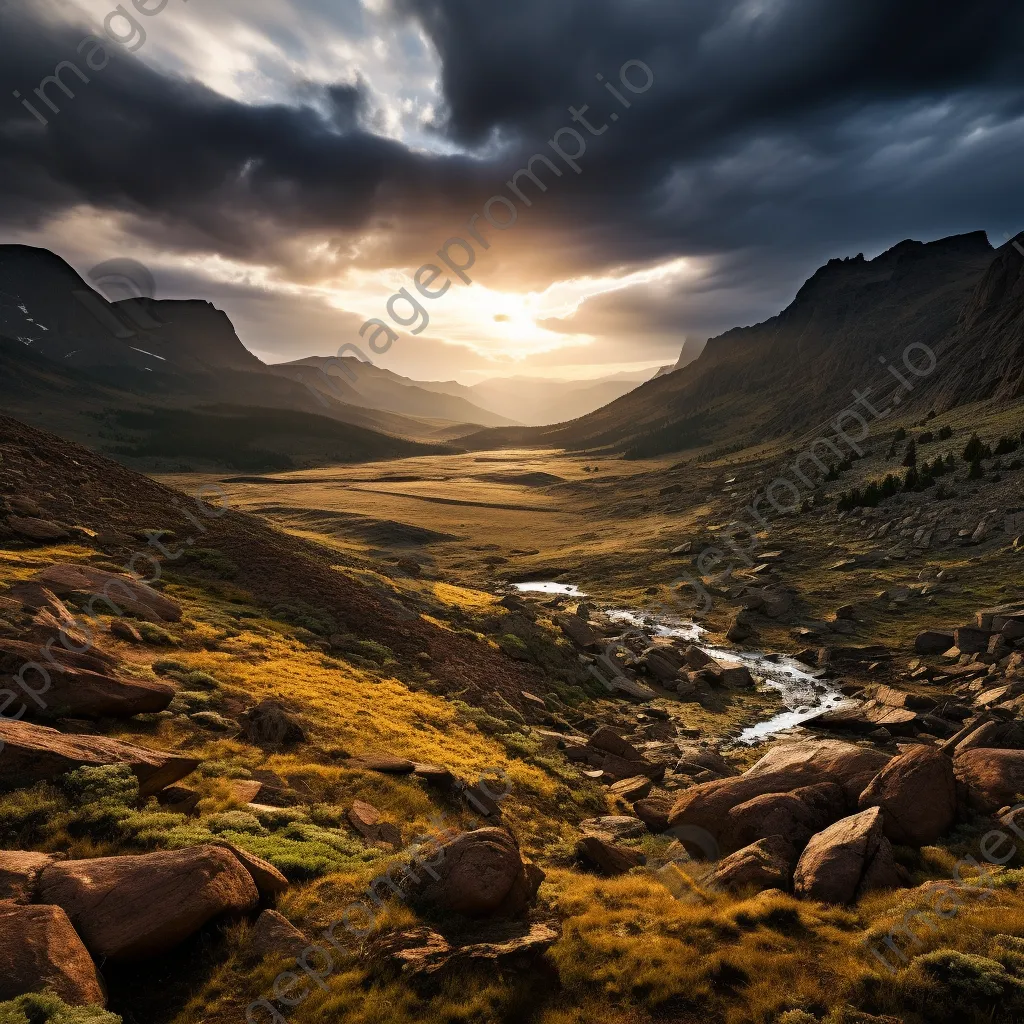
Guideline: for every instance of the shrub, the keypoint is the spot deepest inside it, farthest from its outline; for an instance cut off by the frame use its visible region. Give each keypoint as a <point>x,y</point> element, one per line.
<point>1005,445</point>
<point>155,635</point>
<point>967,977</point>
<point>901,435</point>
<point>945,433</point>
<point>214,562</point>
<point>47,1008</point>
<point>976,449</point>
<point>977,470</point>
<point>910,456</point>
<point>106,784</point>
<point>926,438</point>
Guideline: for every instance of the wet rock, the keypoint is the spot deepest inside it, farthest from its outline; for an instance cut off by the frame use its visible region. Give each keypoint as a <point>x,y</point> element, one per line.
<point>33,753</point>
<point>916,793</point>
<point>40,951</point>
<point>128,908</point>
<point>847,860</point>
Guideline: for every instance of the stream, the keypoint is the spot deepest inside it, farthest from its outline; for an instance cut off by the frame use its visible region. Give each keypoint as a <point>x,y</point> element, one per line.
<point>801,690</point>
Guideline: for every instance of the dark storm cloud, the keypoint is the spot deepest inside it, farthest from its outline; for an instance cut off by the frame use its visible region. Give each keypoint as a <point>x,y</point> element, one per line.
<point>796,128</point>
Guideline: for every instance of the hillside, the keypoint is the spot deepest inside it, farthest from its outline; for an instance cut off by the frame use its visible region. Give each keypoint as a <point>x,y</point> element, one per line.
<point>794,371</point>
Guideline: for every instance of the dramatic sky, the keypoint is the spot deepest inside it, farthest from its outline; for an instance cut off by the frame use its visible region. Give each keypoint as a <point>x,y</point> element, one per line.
<point>296,161</point>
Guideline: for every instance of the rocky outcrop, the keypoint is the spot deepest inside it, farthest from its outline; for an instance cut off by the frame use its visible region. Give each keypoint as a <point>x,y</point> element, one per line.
<point>19,874</point>
<point>424,953</point>
<point>845,861</point>
<point>476,874</point>
<point>989,779</point>
<point>128,908</point>
<point>111,591</point>
<point>79,693</point>
<point>854,767</point>
<point>766,864</point>
<point>40,530</point>
<point>797,815</point>
<point>782,770</point>
<point>917,795</point>
<point>40,951</point>
<point>34,753</point>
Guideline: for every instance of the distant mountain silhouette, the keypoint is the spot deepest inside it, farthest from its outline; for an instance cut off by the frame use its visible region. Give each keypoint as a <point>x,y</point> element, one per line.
<point>956,295</point>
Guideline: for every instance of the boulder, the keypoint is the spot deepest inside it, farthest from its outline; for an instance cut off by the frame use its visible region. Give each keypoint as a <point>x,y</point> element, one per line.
<point>79,693</point>
<point>698,659</point>
<point>614,826</point>
<point>19,874</point>
<point>654,812</point>
<point>577,631</point>
<point>618,768</point>
<point>368,822</point>
<point>635,788</point>
<point>41,530</point>
<point>848,859</point>
<point>606,857</point>
<point>40,951</point>
<point>971,640</point>
<point>269,724</point>
<point>766,864</point>
<point>736,677</point>
<point>476,874</point>
<point>797,816</point>
<point>866,718</point>
<point>933,641</point>
<point>426,954</point>
<point>854,767</point>
<point>610,742</point>
<point>129,908</point>
<point>179,799</point>
<point>34,753</point>
<point>112,591</point>
<point>274,935</point>
<point>916,793</point>
<point>781,770</point>
<point>989,779</point>
<point>268,880</point>
<point>16,653</point>
<point>663,663</point>
<point>893,698</point>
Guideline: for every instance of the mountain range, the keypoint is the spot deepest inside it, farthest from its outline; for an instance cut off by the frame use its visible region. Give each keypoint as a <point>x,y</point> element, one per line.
<point>958,296</point>
<point>156,379</point>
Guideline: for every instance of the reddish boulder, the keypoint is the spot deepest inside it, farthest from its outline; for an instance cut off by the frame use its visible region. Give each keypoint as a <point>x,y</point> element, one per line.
<point>610,742</point>
<point>848,859</point>
<point>33,753</point>
<point>797,816</point>
<point>917,794</point>
<point>41,530</point>
<point>608,858</point>
<point>125,593</point>
<point>990,779</point>
<point>79,693</point>
<point>270,724</point>
<point>40,951</point>
<point>367,821</point>
<point>781,770</point>
<point>274,935</point>
<point>19,873</point>
<point>476,874</point>
<point>812,760</point>
<point>128,908</point>
<point>766,864</point>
